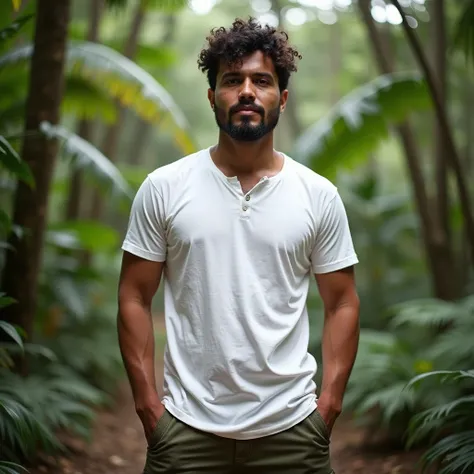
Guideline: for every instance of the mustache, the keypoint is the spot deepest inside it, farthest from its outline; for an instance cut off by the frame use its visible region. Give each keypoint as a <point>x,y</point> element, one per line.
<point>241,106</point>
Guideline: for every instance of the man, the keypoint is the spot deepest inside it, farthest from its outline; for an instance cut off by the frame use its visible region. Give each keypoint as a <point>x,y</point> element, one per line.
<point>238,229</point>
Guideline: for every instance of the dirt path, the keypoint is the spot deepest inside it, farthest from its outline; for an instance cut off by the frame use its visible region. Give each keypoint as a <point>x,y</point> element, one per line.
<point>118,447</point>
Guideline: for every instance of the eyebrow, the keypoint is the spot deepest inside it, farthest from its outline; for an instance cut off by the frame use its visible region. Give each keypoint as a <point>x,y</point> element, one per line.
<point>238,73</point>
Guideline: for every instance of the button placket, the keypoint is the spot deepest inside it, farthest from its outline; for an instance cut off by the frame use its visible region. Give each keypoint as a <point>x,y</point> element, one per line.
<point>245,206</point>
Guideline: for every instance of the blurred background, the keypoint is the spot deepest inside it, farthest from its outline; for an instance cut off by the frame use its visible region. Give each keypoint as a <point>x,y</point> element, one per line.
<point>95,94</point>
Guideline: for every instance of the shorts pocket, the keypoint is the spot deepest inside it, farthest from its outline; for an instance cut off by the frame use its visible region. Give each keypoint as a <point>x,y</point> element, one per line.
<point>318,422</point>
<point>160,429</point>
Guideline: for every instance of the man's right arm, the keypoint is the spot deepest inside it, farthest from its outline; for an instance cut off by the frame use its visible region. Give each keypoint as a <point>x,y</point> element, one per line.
<point>139,281</point>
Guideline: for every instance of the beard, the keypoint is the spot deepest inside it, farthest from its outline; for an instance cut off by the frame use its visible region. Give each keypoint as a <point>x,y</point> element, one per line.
<point>246,131</point>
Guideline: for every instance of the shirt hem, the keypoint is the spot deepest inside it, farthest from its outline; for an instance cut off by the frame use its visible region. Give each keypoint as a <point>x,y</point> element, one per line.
<point>128,247</point>
<point>247,434</point>
<point>340,264</point>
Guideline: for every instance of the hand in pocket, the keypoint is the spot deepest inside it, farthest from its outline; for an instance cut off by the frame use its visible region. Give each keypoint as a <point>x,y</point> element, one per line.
<point>149,416</point>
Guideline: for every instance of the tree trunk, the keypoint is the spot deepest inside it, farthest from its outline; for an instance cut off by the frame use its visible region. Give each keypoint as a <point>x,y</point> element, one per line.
<point>31,205</point>
<point>112,135</point>
<point>85,127</point>
<point>438,252</point>
<point>440,69</point>
<point>441,115</point>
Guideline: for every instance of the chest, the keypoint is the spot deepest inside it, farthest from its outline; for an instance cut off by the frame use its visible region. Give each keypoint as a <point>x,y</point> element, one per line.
<point>265,220</point>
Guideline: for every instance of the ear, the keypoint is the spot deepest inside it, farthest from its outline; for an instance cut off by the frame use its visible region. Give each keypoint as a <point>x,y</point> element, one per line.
<point>283,100</point>
<point>211,97</point>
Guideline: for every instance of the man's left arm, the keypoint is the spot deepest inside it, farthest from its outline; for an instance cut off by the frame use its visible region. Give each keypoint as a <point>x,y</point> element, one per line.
<point>340,338</point>
<point>333,259</point>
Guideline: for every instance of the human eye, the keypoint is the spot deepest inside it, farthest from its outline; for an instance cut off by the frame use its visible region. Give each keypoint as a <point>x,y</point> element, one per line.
<point>231,81</point>
<point>262,81</point>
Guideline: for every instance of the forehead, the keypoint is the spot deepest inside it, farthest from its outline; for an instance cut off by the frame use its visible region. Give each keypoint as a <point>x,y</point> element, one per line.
<point>256,62</point>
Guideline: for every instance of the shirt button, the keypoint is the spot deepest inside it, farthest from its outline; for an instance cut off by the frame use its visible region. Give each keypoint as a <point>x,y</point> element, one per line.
<point>245,208</point>
<point>247,198</point>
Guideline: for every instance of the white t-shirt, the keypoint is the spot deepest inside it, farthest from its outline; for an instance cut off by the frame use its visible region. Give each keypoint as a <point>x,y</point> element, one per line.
<point>237,273</point>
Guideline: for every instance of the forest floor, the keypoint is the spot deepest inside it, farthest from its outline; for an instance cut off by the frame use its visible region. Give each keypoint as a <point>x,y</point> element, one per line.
<point>118,445</point>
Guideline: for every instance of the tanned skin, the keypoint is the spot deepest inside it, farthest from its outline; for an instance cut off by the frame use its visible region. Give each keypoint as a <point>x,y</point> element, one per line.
<point>139,281</point>
<point>254,82</point>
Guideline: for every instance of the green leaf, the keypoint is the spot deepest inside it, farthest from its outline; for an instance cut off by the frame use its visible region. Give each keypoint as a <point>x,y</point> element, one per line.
<point>91,235</point>
<point>87,100</point>
<point>87,157</point>
<point>10,160</point>
<point>11,468</point>
<point>126,81</point>
<point>11,30</point>
<point>360,121</point>
<point>6,300</point>
<point>12,332</point>
<point>443,375</point>
<point>425,313</point>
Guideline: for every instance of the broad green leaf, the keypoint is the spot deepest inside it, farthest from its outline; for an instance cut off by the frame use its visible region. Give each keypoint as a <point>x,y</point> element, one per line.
<point>87,100</point>
<point>360,121</point>
<point>82,98</point>
<point>91,235</point>
<point>10,160</point>
<point>6,300</point>
<point>11,30</point>
<point>12,332</point>
<point>126,81</point>
<point>87,157</point>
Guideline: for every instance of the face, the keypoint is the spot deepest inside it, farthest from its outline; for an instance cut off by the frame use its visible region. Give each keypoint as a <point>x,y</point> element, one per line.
<point>247,101</point>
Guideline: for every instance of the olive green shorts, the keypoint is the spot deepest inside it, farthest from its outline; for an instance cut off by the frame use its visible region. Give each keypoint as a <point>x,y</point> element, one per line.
<point>177,448</point>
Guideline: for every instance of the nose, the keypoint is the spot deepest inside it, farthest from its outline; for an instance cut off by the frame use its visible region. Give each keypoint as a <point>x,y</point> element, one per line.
<point>247,92</point>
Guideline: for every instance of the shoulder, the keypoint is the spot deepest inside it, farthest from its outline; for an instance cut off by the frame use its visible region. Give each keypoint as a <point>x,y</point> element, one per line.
<point>177,173</point>
<point>317,186</point>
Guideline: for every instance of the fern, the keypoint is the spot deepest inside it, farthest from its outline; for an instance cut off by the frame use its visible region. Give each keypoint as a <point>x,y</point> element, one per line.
<point>456,451</point>
<point>11,468</point>
<point>426,313</point>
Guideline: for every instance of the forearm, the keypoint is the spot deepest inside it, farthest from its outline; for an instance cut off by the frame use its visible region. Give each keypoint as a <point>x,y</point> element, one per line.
<point>339,348</point>
<point>137,345</point>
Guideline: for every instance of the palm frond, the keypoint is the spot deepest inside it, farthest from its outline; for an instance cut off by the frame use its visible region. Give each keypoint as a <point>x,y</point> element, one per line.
<point>360,121</point>
<point>443,376</point>
<point>82,99</point>
<point>431,421</point>
<point>456,453</point>
<point>11,161</point>
<point>11,30</point>
<point>12,332</point>
<point>426,313</point>
<point>86,156</point>
<point>11,468</point>
<point>126,81</point>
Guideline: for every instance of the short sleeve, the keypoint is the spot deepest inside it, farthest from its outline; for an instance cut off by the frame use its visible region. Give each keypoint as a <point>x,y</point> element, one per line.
<point>145,236</point>
<point>334,249</point>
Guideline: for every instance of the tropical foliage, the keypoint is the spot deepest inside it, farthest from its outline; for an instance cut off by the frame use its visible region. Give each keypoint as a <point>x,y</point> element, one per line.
<point>367,128</point>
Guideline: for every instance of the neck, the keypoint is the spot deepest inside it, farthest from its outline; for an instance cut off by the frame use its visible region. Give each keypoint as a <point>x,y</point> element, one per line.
<point>245,158</point>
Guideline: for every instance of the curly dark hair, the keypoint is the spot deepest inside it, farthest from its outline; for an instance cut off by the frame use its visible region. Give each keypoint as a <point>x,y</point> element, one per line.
<point>244,38</point>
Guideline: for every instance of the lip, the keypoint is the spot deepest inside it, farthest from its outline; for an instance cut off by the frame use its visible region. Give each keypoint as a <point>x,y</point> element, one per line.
<point>246,112</point>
